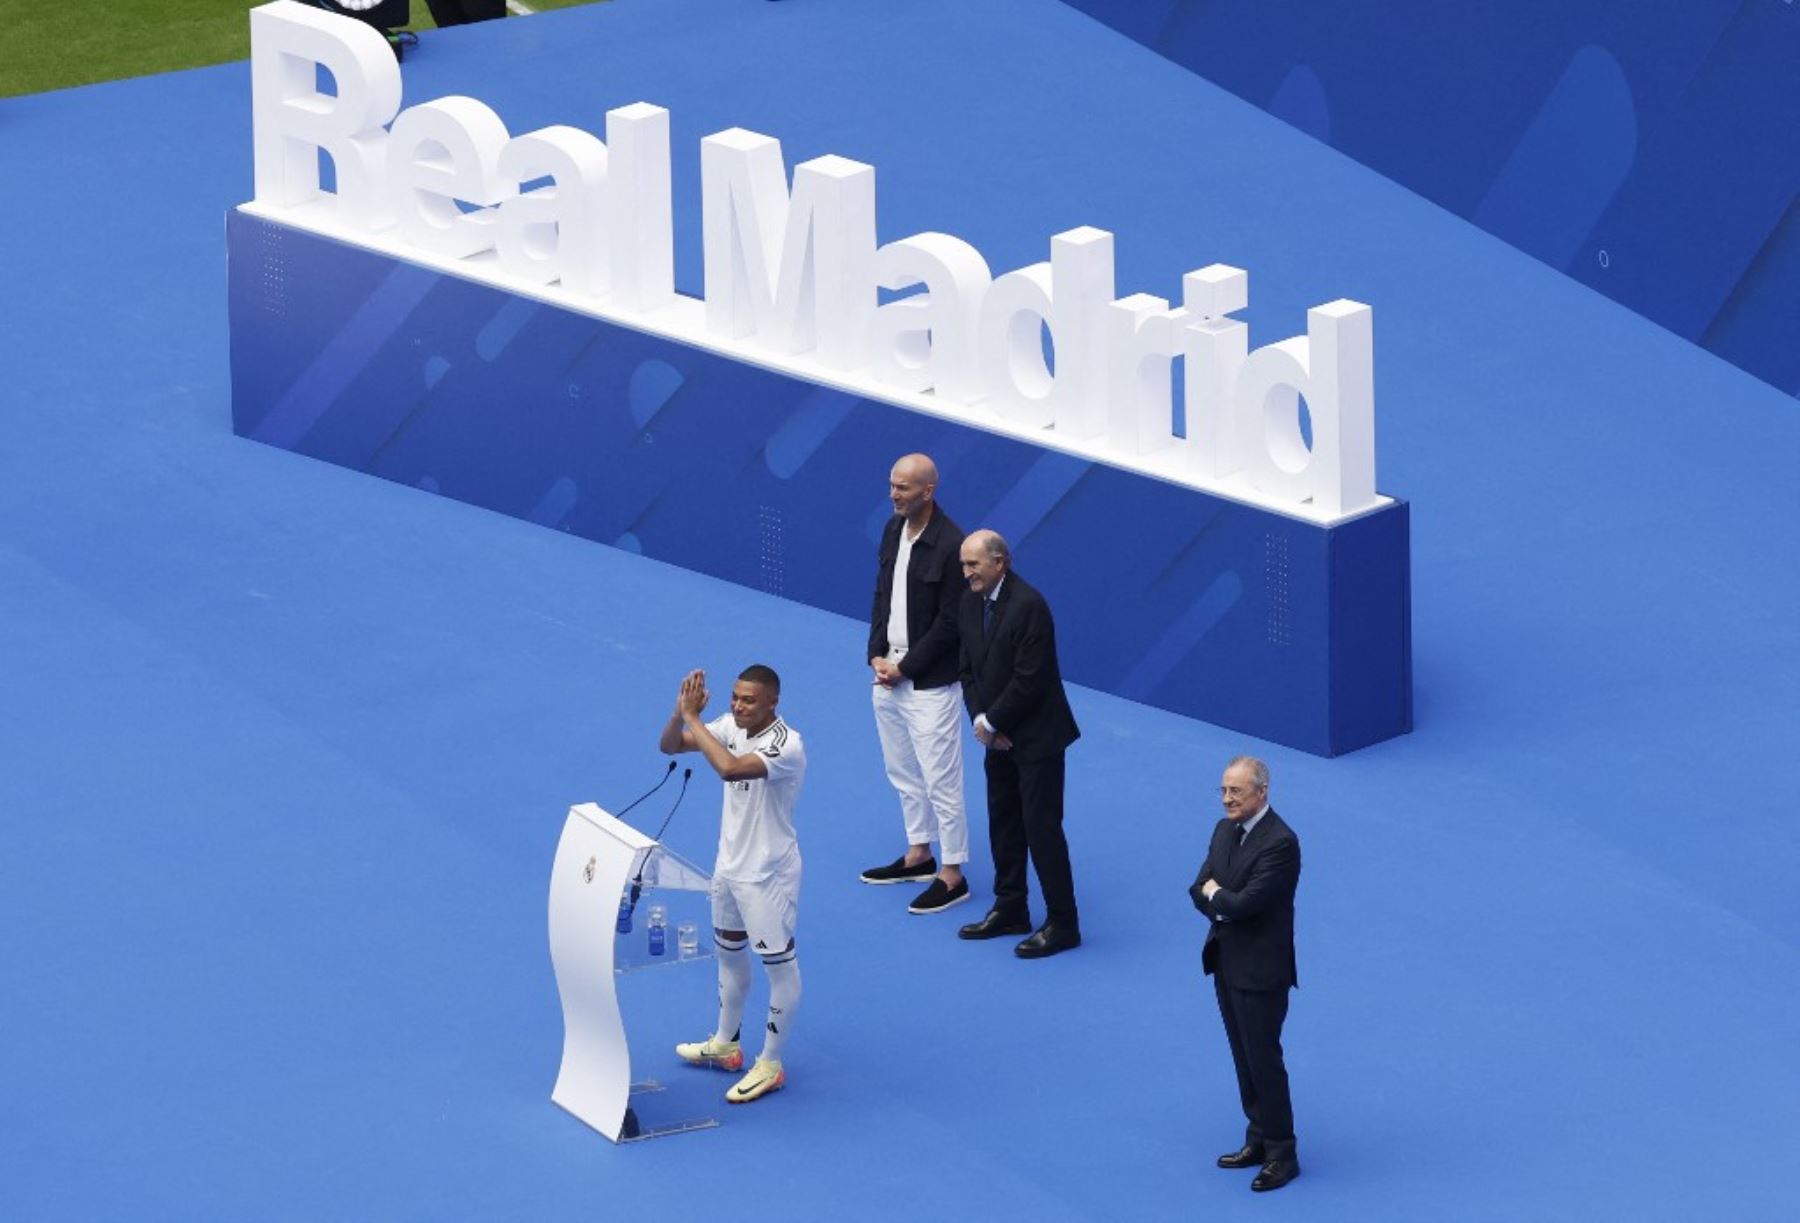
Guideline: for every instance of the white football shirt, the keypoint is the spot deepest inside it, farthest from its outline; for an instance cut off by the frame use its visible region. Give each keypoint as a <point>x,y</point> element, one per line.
<point>756,827</point>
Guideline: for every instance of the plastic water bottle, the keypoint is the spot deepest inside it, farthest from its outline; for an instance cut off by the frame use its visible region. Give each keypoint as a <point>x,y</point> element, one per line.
<point>687,941</point>
<point>624,925</point>
<point>659,931</point>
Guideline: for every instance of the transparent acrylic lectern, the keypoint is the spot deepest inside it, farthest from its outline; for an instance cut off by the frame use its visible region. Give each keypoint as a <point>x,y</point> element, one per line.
<point>598,863</point>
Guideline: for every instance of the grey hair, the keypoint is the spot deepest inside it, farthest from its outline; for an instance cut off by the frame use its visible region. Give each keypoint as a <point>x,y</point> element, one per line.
<point>1259,772</point>
<point>995,546</point>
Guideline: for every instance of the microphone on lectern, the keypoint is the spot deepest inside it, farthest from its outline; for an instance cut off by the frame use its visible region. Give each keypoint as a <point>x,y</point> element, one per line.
<point>686,777</point>
<point>637,884</point>
<point>652,790</point>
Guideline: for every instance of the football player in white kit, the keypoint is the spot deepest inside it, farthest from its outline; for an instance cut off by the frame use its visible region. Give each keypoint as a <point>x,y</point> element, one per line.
<point>756,879</point>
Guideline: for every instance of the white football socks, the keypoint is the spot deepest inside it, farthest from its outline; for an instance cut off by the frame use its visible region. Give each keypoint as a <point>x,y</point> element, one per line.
<point>784,1000</point>
<point>734,985</point>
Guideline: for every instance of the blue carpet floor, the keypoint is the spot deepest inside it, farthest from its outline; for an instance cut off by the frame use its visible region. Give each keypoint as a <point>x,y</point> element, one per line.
<point>284,750</point>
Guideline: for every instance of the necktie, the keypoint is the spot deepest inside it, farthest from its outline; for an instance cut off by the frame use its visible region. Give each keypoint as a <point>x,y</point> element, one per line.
<point>1243,834</point>
<point>987,617</point>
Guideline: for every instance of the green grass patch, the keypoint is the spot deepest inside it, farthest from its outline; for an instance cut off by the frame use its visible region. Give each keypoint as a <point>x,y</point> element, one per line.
<point>54,44</point>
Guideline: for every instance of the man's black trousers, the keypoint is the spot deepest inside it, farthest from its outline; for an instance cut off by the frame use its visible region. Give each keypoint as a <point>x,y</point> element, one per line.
<point>1253,1020</point>
<point>1025,817</point>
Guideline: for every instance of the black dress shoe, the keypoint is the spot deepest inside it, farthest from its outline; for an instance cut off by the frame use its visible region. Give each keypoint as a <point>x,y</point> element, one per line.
<point>1049,939</point>
<point>1275,1174</point>
<point>1248,1157</point>
<point>995,925</point>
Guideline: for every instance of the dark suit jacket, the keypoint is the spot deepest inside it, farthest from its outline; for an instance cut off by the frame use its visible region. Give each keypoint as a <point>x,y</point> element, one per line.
<point>1251,941</point>
<point>934,587</point>
<point>1011,674</point>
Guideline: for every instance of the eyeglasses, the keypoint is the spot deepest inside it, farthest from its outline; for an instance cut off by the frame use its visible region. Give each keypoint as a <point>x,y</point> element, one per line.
<point>1237,791</point>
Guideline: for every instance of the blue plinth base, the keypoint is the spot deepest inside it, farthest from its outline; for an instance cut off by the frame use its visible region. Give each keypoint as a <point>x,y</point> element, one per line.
<point>1287,630</point>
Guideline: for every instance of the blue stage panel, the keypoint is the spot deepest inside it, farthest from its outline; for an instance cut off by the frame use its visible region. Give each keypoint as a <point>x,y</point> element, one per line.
<point>1647,151</point>
<point>1164,594</point>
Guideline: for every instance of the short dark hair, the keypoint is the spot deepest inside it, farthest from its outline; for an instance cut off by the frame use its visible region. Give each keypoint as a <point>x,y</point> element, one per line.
<point>757,673</point>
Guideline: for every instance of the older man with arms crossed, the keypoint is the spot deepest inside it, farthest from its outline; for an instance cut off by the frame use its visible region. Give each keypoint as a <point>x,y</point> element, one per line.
<point>1246,890</point>
<point>912,652</point>
<point>1013,690</point>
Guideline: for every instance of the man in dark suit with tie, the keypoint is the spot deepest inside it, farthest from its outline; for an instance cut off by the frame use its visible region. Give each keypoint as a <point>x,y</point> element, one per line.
<point>1246,890</point>
<point>1013,690</point>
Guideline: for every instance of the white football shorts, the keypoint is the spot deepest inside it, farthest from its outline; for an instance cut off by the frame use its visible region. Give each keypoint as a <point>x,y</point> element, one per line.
<point>766,910</point>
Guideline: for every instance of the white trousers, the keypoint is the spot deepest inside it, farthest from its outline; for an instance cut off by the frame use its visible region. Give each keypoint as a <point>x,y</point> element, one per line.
<point>921,743</point>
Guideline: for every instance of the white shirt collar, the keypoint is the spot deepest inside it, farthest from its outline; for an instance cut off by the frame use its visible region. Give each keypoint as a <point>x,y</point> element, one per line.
<point>1252,822</point>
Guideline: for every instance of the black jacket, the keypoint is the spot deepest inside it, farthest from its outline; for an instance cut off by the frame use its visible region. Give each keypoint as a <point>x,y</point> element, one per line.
<point>1011,674</point>
<point>934,583</point>
<point>1250,942</point>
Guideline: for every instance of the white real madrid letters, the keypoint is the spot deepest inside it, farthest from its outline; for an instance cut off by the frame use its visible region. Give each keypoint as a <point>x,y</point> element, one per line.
<point>791,277</point>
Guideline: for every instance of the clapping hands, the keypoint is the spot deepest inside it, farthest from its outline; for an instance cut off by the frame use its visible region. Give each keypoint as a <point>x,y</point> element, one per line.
<point>693,695</point>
